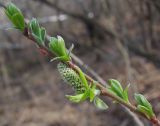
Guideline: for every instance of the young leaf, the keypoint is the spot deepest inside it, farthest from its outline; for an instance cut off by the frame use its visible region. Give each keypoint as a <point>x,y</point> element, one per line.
<point>125,94</point>
<point>116,84</point>
<point>61,45</point>
<point>43,33</point>
<point>144,106</point>
<point>100,104</point>
<point>57,46</point>
<point>93,92</point>
<point>83,78</point>
<point>15,16</point>
<point>116,87</point>
<point>54,47</point>
<point>79,97</point>
<point>39,33</point>
<point>141,100</point>
<point>76,98</point>
<point>145,110</point>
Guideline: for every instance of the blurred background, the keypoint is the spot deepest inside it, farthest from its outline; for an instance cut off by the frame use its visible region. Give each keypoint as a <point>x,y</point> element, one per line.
<point>116,38</point>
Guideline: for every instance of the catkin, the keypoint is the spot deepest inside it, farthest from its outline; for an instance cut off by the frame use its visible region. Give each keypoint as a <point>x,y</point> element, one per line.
<point>71,77</point>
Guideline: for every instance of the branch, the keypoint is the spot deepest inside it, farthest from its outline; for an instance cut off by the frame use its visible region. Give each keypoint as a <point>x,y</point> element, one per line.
<point>91,24</point>
<point>145,112</point>
<point>103,90</point>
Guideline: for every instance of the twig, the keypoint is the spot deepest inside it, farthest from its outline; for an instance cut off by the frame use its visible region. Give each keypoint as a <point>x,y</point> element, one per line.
<point>103,90</point>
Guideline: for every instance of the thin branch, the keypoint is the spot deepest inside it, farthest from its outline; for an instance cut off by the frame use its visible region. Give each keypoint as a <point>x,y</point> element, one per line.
<point>103,90</point>
<point>2,5</point>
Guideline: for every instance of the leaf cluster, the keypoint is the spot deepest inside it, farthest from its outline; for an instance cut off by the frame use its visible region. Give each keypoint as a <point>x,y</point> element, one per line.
<point>39,33</point>
<point>91,94</point>
<point>57,46</point>
<point>144,106</point>
<point>15,16</point>
<point>116,89</point>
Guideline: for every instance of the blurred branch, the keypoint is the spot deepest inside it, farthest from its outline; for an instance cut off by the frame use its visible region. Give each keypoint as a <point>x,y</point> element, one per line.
<point>150,39</point>
<point>54,5</point>
<point>2,5</point>
<point>94,28</point>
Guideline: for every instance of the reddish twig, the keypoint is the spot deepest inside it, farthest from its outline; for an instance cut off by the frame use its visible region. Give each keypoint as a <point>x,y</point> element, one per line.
<point>103,90</point>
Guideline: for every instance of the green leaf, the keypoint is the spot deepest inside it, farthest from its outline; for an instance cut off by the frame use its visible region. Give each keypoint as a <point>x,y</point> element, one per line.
<point>116,84</point>
<point>143,105</point>
<point>43,34</point>
<point>91,95</point>
<point>15,16</point>
<point>53,45</point>
<point>39,33</point>
<point>85,96</point>
<point>145,110</point>
<point>32,25</point>
<point>83,78</point>
<point>61,45</point>
<point>37,38</point>
<point>125,94</point>
<point>141,100</point>
<point>12,8</point>
<point>116,87</point>
<point>78,98</point>
<point>100,104</point>
<point>57,46</point>
<point>93,92</point>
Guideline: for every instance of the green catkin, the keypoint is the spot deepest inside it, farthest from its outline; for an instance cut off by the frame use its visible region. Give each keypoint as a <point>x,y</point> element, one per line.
<point>71,77</point>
